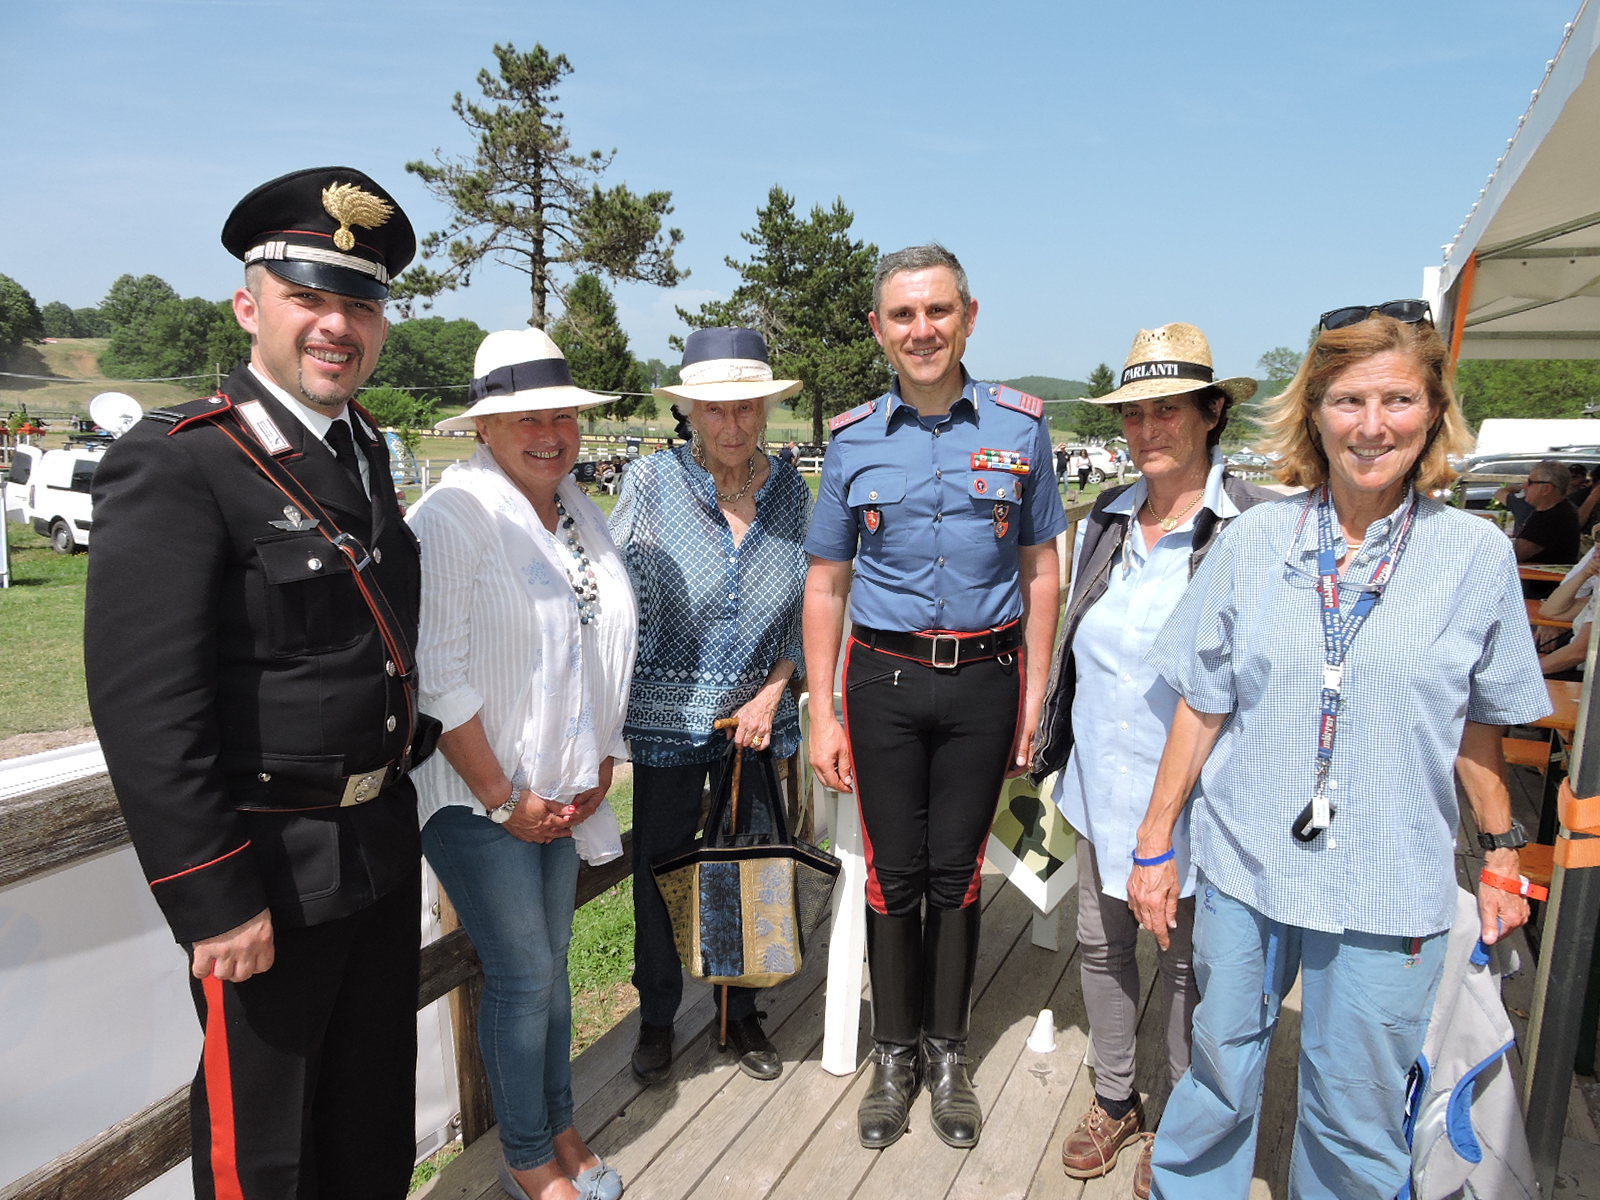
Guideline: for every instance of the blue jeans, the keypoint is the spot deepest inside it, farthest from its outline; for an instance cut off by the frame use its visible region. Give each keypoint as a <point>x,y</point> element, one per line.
<point>1366,1002</point>
<point>666,814</point>
<point>516,899</point>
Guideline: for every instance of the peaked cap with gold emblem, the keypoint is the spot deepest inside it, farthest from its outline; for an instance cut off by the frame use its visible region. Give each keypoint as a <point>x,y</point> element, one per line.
<point>330,228</point>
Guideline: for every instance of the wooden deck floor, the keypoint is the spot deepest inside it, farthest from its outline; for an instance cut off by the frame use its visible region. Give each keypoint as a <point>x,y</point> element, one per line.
<point>711,1132</point>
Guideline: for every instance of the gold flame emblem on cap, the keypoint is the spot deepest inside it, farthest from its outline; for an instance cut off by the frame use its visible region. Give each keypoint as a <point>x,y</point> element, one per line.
<point>347,204</point>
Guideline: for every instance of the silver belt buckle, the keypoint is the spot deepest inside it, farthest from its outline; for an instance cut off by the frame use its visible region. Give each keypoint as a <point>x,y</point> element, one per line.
<point>358,789</point>
<point>946,639</point>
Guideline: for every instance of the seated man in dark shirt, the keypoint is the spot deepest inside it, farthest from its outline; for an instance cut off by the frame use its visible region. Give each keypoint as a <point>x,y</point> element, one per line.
<point>1550,532</point>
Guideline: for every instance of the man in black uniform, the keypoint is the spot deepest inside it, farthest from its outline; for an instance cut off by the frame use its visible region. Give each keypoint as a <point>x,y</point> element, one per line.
<point>249,628</point>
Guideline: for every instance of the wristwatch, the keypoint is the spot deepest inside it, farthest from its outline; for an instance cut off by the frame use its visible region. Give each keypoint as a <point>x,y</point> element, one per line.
<point>503,814</point>
<point>1512,839</point>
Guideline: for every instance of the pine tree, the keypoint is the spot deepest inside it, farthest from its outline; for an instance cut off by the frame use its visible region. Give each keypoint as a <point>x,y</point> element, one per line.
<point>526,199</point>
<point>808,288</point>
<point>597,349</point>
<point>1098,421</point>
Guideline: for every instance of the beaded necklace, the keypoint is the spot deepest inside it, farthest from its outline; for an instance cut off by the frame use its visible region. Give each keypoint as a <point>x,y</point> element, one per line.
<point>580,572</point>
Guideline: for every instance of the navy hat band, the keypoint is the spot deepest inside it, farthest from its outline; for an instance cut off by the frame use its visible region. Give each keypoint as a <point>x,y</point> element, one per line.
<point>1166,369</point>
<point>522,377</point>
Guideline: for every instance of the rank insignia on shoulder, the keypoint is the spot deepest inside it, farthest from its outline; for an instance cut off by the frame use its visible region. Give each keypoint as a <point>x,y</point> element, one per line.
<point>294,521</point>
<point>853,415</point>
<point>1009,397</point>
<point>873,516</point>
<point>181,416</point>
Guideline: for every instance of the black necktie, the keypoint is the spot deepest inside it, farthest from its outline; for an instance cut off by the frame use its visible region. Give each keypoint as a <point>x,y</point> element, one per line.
<point>344,449</point>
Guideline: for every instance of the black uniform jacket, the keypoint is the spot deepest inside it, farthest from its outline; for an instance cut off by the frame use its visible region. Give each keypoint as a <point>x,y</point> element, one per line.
<point>1102,538</point>
<point>236,676</point>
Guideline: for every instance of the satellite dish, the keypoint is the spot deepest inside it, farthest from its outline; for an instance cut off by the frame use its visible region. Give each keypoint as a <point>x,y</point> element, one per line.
<point>115,412</point>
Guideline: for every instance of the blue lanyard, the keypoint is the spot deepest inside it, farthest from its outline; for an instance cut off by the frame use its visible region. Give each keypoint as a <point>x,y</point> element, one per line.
<point>1338,634</point>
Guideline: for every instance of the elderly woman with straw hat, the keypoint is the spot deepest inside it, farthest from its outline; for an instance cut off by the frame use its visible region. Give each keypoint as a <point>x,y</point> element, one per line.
<point>528,635</point>
<point>712,535</point>
<point>1344,656</point>
<point>1106,712</point>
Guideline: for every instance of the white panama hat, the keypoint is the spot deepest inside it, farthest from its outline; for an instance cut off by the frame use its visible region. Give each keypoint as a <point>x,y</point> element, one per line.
<point>520,370</point>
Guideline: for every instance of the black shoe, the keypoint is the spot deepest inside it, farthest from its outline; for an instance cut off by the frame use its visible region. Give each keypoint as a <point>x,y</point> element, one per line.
<point>957,1117</point>
<point>886,1108</point>
<point>758,1057</point>
<point>652,1053</point>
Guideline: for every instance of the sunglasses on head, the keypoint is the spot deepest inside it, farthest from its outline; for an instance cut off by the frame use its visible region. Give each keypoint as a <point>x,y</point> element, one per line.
<point>1409,312</point>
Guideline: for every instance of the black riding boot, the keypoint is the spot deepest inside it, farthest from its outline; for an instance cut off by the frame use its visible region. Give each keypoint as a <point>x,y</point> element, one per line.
<point>894,962</point>
<point>950,950</point>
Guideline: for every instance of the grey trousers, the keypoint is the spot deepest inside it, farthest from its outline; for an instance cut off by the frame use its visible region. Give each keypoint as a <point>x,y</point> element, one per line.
<point>1107,936</point>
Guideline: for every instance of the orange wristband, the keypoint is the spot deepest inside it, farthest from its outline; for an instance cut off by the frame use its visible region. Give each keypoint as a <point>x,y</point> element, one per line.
<point>1520,886</point>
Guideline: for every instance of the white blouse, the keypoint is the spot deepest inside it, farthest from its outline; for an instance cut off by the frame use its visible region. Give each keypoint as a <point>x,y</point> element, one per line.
<point>501,639</point>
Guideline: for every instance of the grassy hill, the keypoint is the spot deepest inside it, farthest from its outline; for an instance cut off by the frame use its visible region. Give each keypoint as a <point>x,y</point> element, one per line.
<point>1047,387</point>
<point>77,359</point>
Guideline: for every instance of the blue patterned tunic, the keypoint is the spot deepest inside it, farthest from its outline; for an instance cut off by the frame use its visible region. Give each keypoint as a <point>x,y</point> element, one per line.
<point>713,617</point>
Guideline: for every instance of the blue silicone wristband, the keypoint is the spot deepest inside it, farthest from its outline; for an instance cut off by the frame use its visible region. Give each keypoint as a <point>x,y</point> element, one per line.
<point>1157,860</point>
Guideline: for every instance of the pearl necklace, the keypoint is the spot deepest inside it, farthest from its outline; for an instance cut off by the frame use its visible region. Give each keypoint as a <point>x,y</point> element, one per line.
<point>580,573</point>
<point>1170,522</point>
<point>735,497</point>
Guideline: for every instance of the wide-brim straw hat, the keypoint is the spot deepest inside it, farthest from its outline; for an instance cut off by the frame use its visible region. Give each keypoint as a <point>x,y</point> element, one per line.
<point>728,363</point>
<point>1170,361</point>
<point>520,370</point>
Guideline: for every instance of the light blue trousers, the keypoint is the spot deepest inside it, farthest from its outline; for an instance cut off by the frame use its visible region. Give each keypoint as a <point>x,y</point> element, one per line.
<point>1366,1000</point>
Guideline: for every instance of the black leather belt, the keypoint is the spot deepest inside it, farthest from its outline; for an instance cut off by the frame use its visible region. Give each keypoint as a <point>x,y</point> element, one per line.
<point>938,648</point>
<point>271,791</point>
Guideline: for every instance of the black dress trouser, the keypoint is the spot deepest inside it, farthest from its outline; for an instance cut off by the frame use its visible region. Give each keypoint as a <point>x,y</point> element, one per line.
<point>930,746</point>
<point>307,1081</point>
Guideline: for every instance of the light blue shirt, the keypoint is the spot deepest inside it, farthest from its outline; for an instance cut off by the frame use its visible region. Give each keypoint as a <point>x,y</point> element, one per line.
<point>1122,707</point>
<point>934,513</point>
<point>713,617</point>
<point>1447,643</point>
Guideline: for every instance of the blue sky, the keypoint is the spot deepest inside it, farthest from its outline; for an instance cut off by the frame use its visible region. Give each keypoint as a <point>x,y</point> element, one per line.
<point>1097,167</point>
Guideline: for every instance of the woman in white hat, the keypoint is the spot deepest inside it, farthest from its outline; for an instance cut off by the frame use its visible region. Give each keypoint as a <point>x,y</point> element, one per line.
<point>712,535</point>
<point>1106,713</point>
<point>528,635</point>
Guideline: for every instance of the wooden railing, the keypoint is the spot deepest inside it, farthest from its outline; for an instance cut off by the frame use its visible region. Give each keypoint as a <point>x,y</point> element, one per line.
<point>58,826</point>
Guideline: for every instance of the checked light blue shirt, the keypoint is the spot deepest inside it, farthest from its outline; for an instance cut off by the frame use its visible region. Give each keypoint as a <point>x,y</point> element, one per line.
<point>1447,643</point>
<point>713,617</point>
<point>1122,708</point>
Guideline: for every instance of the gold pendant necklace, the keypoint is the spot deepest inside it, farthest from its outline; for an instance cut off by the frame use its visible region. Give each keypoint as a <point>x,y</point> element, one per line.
<point>1170,522</point>
<point>730,497</point>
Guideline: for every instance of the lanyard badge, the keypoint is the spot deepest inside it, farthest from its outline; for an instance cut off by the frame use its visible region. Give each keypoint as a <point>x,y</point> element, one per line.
<point>1337,636</point>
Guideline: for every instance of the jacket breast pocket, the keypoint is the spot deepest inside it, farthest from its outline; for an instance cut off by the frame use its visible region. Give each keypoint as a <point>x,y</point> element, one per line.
<point>872,495</point>
<point>313,606</point>
<point>996,496</point>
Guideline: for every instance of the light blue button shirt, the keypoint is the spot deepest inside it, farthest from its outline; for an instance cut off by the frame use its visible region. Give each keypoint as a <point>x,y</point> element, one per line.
<point>1447,643</point>
<point>1122,707</point>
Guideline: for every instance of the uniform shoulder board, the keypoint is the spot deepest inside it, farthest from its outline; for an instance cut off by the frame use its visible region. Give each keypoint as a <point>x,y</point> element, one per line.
<point>181,416</point>
<point>1009,397</point>
<point>843,419</point>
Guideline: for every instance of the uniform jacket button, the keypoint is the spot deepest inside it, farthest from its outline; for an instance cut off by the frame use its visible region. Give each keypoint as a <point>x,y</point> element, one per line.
<point>265,776</point>
<point>314,563</point>
<point>390,724</point>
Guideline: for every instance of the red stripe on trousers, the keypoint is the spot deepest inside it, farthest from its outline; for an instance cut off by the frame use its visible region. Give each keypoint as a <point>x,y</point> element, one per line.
<point>976,886</point>
<point>219,1096</point>
<point>874,892</point>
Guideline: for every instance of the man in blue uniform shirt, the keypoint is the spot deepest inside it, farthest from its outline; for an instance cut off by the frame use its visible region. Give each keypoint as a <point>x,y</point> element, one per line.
<point>943,493</point>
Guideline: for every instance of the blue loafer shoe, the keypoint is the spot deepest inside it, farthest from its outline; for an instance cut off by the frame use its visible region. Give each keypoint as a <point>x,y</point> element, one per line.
<point>599,1182</point>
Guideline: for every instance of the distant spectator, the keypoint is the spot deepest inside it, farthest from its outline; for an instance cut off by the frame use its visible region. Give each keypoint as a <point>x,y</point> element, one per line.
<point>1061,460</point>
<point>1549,534</point>
<point>1080,464</point>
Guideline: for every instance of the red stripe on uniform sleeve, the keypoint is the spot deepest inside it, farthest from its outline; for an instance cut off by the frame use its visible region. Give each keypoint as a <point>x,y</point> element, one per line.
<point>201,867</point>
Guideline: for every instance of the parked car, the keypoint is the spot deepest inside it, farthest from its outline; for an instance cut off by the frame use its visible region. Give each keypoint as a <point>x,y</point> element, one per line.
<point>49,489</point>
<point>1479,495</point>
<point>1100,462</point>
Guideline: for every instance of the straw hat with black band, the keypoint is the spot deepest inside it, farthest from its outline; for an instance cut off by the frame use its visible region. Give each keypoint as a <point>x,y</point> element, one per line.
<point>1170,361</point>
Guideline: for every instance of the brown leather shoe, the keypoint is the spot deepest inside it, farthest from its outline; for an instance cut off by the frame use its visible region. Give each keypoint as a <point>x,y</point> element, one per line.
<point>1141,1169</point>
<point>1091,1149</point>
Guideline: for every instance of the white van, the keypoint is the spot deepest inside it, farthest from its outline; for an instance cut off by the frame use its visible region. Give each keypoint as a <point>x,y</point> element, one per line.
<point>50,490</point>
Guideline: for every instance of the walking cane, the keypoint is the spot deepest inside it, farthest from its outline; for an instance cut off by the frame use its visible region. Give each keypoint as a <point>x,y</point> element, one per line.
<point>733,828</point>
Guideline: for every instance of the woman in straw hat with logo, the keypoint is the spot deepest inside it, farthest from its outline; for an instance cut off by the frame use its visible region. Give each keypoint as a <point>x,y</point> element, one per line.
<point>528,636</point>
<point>712,535</point>
<point>1106,713</point>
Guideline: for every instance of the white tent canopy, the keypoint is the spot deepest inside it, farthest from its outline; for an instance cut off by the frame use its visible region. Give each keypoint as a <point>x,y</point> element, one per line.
<point>1526,263</point>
